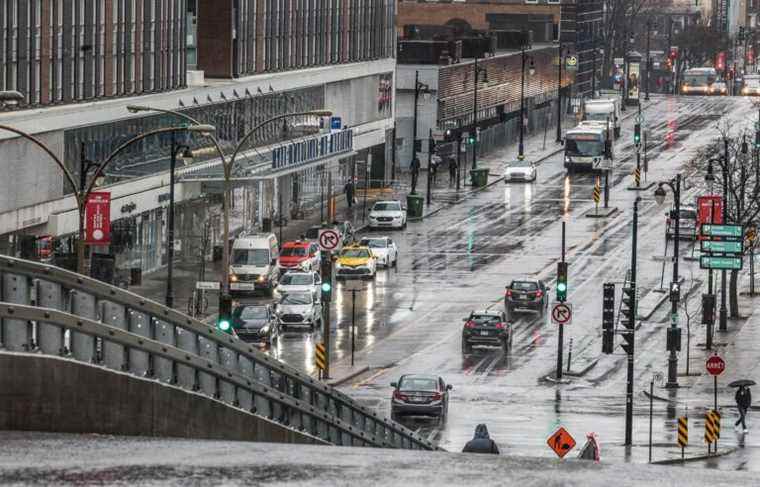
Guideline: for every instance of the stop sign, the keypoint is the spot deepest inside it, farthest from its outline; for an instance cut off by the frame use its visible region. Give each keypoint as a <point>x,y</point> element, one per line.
<point>715,365</point>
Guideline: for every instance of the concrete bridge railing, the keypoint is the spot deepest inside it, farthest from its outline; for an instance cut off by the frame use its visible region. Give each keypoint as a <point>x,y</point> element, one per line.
<point>52,311</point>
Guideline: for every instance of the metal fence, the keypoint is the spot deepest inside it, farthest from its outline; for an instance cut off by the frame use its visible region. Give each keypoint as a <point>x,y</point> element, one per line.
<point>52,311</point>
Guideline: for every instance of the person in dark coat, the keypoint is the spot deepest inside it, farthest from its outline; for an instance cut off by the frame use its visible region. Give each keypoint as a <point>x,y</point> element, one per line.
<point>481,442</point>
<point>415,169</point>
<point>452,172</point>
<point>349,189</point>
<point>743,402</point>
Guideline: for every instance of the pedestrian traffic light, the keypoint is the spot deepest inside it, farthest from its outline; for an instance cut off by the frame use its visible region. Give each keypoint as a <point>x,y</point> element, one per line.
<point>637,134</point>
<point>224,319</point>
<point>326,273</point>
<point>628,316</point>
<point>608,318</point>
<point>561,281</point>
<point>675,292</point>
<point>708,309</point>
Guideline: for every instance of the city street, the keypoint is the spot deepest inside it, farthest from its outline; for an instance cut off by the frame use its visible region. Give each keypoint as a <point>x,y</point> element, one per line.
<point>409,319</point>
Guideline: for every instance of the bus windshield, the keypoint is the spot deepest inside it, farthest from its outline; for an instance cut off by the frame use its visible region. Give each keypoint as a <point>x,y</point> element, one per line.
<point>590,148</point>
<point>701,79</point>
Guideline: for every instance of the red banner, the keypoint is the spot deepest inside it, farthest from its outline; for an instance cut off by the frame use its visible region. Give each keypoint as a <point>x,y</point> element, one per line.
<point>709,210</point>
<point>98,219</point>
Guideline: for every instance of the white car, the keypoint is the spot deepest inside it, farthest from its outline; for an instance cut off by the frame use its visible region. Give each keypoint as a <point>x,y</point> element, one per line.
<point>519,170</point>
<point>294,282</point>
<point>383,248</point>
<point>387,214</point>
<point>301,309</point>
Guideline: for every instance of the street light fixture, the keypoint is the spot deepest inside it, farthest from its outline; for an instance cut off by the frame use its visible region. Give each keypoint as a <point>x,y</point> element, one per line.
<point>673,332</point>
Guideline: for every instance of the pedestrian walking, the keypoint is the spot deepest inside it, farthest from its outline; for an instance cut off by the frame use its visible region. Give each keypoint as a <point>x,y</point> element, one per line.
<point>743,402</point>
<point>435,161</point>
<point>349,190</point>
<point>481,442</point>
<point>452,172</point>
<point>415,169</point>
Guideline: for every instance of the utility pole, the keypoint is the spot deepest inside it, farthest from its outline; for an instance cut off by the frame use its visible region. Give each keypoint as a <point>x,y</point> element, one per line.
<point>478,71</point>
<point>723,325</point>
<point>675,293</point>
<point>630,325</point>
<point>169,299</point>
<point>561,297</point>
<point>431,147</point>
<point>649,59</point>
<point>326,271</point>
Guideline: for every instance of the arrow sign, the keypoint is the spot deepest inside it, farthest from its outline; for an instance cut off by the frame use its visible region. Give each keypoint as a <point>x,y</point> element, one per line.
<point>562,313</point>
<point>329,239</point>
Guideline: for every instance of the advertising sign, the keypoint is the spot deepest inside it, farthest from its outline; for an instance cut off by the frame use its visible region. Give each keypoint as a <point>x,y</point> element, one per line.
<point>98,218</point>
<point>633,80</point>
<point>709,210</point>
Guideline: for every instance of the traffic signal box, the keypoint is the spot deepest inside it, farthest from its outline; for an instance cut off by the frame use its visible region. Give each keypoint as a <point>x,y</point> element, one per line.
<point>628,316</point>
<point>327,277</point>
<point>637,134</point>
<point>224,319</point>
<point>608,318</point>
<point>708,309</point>
<point>561,281</point>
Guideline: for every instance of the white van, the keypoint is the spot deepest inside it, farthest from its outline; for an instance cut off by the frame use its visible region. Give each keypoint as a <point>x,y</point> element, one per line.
<point>604,110</point>
<point>253,263</point>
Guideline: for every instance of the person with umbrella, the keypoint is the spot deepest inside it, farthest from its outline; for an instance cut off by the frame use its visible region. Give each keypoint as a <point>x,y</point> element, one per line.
<point>743,399</point>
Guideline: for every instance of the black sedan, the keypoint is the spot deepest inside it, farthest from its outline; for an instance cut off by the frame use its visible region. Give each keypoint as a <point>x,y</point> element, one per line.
<point>255,323</point>
<point>420,395</point>
<point>486,328</point>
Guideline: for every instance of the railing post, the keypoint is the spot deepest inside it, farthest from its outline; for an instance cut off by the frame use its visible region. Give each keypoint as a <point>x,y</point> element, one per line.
<point>50,337</point>
<point>83,346</point>
<point>163,368</point>
<point>139,361</point>
<point>16,335</point>
<point>114,356</point>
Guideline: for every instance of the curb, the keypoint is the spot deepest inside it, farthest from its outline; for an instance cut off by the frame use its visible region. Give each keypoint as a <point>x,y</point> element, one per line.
<point>674,461</point>
<point>342,380</point>
<point>583,371</point>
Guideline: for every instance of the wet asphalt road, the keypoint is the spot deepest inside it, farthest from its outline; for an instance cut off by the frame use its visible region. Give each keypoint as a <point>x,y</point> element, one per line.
<point>409,319</point>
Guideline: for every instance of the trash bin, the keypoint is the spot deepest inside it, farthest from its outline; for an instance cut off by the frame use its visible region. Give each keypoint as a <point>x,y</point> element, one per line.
<point>266,225</point>
<point>135,276</point>
<point>414,206</point>
<point>479,177</point>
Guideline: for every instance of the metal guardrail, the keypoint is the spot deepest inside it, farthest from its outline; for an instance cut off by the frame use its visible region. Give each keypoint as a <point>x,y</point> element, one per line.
<point>53,311</point>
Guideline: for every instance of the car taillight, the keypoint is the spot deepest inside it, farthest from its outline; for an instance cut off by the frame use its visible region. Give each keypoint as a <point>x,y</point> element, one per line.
<point>539,294</point>
<point>501,326</point>
<point>508,293</point>
<point>399,396</point>
<point>667,221</point>
<point>469,324</point>
<point>437,396</point>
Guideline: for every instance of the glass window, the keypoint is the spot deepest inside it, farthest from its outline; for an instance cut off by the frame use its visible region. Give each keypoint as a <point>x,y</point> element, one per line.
<point>296,298</point>
<point>291,279</point>
<point>390,206</point>
<point>257,257</point>
<point>524,286</point>
<point>293,252</point>
<point>355,253</point>
<point>428,384</point>
<point>253,313</point>
<point>375,243</point>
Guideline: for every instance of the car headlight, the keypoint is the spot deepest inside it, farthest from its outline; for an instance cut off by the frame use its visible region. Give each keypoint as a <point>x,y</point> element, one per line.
<point>261,278</point>
<point>338,265</point>
<point>304,264</point>
<point>233,278</point>
<point>567,158</point>
<point>265,329</point>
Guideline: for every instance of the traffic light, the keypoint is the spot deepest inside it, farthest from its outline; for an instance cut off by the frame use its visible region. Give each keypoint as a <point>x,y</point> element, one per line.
<point>637,134</point>
<point>327,278</point>
<point>708,309</point>
<point>628,316</point>
<point>757,139</point>
<point>470,139</point>
<point>608,318</point>
<point>561,281</point>
<point>224,319</point>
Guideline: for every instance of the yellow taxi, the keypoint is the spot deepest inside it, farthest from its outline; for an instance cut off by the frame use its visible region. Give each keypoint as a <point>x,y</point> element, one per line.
<point>356,261</point>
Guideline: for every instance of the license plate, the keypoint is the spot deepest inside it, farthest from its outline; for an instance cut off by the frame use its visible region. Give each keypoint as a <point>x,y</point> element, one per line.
<point>484,333</point>
<point>242,286</point>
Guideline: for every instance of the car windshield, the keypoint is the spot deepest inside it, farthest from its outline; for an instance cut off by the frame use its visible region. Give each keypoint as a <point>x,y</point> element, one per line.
<point>418,384</point>
<point>389,206</point>
<point>584,147</point>
<point>257,257</point>
<point>524,286</point>
<point>355,253</point>
<point>485,318</point>
<point>698,79</point>
<point>253,313</point>
<point>375,243</point>
<point>312,233</point>
<point>523,164</point>
<point>296,298</point>
<point>297,280</point>
<point>293,252</point>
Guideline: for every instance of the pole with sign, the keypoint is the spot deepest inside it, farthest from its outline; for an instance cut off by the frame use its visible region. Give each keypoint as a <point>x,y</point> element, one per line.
<point>715,366</point>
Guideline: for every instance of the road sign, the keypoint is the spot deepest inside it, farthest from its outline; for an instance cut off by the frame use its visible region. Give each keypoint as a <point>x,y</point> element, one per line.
<point>438,134</point>
<point>720,263</point>
<point>561,442</point>
<point>721,247</point>
<point>571,63</point>
<point>597,192</point>
<point>715,365</point>
<point>712,426</point>
<point>329,239</point>
<point>683,431</point>
<point>731,231</point>
<point>207,285</point>
<point>320,356</point>
<point>709,209</point>
<point>562,313</point>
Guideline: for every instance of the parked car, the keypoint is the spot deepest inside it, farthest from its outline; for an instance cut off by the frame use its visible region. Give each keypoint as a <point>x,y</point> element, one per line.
<point>488,328</point>
<point>383,248</point>
<point>687,223</point>
<point>528,294</point>
<point>255,323</point>
<point>420,395</point>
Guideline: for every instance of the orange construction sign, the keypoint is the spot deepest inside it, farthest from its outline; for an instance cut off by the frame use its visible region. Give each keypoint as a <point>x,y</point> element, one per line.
<point>561,442</point>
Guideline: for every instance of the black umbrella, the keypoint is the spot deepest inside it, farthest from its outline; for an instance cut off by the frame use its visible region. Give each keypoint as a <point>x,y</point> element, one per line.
<point>742,383</point>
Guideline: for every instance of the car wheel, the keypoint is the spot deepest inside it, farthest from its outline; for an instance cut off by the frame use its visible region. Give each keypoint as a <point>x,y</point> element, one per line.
<point>394,416</point>
<point>505,345</point>
<point>395,262</point>
<point>403,226</point>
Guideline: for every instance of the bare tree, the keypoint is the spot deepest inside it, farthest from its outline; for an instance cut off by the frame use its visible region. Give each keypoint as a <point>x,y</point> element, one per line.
<point>690,312</point>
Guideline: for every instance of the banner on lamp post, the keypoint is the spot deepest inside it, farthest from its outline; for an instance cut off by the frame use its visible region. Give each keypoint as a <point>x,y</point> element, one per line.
<point>98,218</point>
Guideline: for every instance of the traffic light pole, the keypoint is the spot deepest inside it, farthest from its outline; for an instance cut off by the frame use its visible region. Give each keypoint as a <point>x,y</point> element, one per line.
<point>561,327</point>
<point>723,325</point>
<point>629,381</point>
<point>673,358</point>
<point>327,277</point>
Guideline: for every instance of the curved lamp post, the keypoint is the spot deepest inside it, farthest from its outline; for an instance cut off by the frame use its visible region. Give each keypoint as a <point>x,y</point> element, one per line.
<point>227,165</point>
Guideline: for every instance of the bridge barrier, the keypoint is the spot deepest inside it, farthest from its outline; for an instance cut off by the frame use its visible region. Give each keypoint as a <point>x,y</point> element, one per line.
<point>49,310</point>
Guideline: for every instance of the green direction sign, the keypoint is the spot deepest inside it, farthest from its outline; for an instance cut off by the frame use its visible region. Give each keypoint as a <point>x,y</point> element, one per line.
<point>734,231</point>
<point>721,263</point>
<point>722,247</point>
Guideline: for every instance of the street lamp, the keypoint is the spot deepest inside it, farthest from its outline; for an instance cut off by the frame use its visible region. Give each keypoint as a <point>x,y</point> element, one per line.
<point>532,70</point>
<point>673,331</point>
<point>478,71</point>
<point>419,87</point>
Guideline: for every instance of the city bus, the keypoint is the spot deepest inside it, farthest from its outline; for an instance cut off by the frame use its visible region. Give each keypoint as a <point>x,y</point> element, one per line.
<point>751,85</point>
<point>700,81</point>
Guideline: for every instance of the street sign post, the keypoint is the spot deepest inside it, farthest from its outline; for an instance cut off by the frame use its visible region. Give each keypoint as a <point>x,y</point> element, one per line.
<point>715,366</point>
<point>562,313</point>
<point>329,239</point>
<point>720,263</point>
<point>561,442</point>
